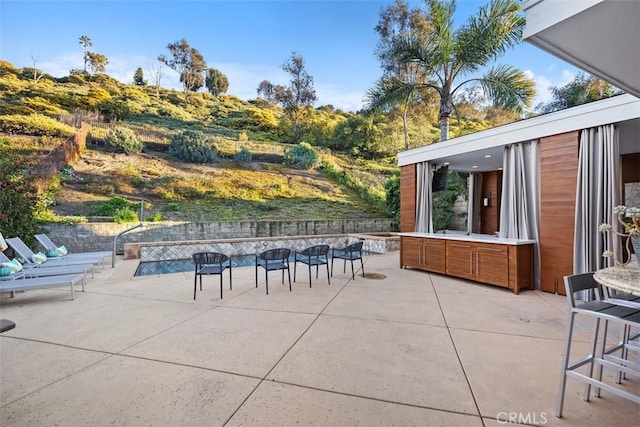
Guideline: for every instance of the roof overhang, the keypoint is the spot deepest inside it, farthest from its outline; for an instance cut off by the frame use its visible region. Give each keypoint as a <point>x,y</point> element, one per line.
<point>471,150</point>
<point>601,37</point>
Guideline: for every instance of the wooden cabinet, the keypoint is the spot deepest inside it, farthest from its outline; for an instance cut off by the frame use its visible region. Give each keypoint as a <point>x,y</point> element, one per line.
<point>434,251</point>
<point>411,253</point>
<point>460,259</point>
<point>491,264</point>
<point>423,253</point>
<point>500,264</point>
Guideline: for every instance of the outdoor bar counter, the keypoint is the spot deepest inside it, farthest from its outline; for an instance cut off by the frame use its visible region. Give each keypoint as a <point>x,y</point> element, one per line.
<point>479,257</point>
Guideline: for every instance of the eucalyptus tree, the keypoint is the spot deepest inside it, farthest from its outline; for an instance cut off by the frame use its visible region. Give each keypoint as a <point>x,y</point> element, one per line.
<point>188,62</point>
<point>398,87</point>
<point>294,98</point>
<point>453,59</point>
<point>216,82</point>
<point>97,62</point>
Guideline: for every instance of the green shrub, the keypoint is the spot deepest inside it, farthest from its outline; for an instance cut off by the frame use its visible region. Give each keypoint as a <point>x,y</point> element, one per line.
<point>156,217</point>
<point>125,214</point>
<point>19,205</point>
<point>392,188</point>
<point>172,207</point>
<point>114,110</point>
<point>97,96</point>
<point>34,124</point>
<point>122,139</point>
<point>242,156</point>
<point>301,156</point>
<point>193,146</point>
<point>111,206</point>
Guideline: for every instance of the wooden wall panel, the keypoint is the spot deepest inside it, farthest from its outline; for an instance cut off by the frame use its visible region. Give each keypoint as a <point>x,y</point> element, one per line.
<point>490,216</point>
<point>558,178</point>
<point>631,168</point>
<point>407,198</point>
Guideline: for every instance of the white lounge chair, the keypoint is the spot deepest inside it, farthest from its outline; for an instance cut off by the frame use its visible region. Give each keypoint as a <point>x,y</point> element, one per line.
<point>48,244</point>
<point>42,282</point>
<point>39,270</point>
<point>28,256</point>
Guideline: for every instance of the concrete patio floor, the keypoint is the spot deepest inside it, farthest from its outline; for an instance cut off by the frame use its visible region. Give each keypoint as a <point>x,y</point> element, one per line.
<point>398,347</point>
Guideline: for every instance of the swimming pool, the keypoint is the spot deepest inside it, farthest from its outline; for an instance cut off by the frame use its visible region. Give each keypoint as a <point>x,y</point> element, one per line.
<point>151,268</point>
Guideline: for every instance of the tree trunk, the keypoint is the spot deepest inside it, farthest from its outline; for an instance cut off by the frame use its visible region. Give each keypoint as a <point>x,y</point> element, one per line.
<point>405,128</point>
<point>446,108</point>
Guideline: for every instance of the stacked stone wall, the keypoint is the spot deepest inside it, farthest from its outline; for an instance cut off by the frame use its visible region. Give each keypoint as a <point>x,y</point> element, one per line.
<point>100,236</point>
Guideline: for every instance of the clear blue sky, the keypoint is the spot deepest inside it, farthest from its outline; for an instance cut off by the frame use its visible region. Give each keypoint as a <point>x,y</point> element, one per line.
<point>247,40</point>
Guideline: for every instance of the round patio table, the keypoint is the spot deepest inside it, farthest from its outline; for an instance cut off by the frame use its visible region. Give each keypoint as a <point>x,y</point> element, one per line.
<point>623,278</point>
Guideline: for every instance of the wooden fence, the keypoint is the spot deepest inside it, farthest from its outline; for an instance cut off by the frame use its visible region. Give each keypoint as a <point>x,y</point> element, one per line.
<point>64,154</point>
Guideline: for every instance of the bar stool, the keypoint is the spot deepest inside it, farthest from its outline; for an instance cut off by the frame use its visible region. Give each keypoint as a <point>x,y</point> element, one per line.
<point>601,311</point>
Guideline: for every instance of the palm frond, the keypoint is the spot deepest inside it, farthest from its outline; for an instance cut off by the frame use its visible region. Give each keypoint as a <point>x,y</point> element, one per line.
<point>496,28</point>
<point>387,94</point>
<point>508,88</point>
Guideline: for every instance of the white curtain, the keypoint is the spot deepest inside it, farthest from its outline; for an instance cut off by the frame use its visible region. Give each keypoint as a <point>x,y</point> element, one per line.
<point>520,202</point>
<point>596,197</point>
<point>424,178</point>
<point>473,208</point>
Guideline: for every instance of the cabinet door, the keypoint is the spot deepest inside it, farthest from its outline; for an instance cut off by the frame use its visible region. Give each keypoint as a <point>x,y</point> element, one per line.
<point>411,251</point>
<point>434,251</point>
<point>492,264</point>
<point>460,259</point>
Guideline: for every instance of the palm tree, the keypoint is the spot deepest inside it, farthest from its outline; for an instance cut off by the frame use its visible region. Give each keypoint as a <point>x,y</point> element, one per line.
<point>582,89</point>
<point>452,58</point>
<point>395,91</point>
<point>85,41</point>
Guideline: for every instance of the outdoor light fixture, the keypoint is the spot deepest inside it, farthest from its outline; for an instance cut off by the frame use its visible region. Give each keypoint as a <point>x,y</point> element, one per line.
<point>486,200</point>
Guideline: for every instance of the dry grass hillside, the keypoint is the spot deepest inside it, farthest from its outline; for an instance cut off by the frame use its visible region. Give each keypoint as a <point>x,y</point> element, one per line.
<point>222,191</point>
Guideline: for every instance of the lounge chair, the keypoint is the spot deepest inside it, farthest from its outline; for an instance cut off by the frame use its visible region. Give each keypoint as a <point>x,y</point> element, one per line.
<point>42,282</point>
<point>39,270</point>
<point>28,256</point>
<point>48,244</point>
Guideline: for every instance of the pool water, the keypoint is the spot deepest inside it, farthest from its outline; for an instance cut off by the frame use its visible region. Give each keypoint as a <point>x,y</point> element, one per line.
<point>152,268</point>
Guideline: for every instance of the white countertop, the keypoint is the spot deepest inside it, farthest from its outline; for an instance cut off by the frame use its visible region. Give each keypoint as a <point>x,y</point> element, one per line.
<point>481,238</point>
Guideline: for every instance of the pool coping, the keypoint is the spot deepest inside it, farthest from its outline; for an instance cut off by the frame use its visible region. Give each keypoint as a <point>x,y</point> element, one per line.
<point>174,250</point>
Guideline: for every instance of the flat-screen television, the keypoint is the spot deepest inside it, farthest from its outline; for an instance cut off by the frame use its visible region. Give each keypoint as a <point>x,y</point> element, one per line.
<point>439,182</point>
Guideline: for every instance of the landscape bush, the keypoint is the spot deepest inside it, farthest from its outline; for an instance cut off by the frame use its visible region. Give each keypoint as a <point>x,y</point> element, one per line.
<point>392,189</point>
<point>114,110</point>
<point>111,206</point>
<point>19,205</point>
<point>301,156</point>
<point>97,96</point>
<point>34,124</point>
<point>193,146</point>
<point>125,214</point>
<point>242,156</point>
<point>122,139</point>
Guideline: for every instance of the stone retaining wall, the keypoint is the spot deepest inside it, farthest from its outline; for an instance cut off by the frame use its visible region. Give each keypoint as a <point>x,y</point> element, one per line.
<point>99,236</point>
<point>165,251</point>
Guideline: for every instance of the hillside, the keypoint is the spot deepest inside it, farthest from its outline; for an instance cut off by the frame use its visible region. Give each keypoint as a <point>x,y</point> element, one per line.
<point>222,191</point>
<point>357,151</point>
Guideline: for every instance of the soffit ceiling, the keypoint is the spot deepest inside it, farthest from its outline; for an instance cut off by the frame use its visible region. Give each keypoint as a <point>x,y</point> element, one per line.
<point>601,37</point>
